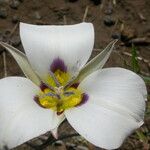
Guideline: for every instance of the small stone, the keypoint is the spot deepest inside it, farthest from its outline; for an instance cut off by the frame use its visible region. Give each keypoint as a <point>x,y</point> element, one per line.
<point>73,1</point>
<point>40,22</point>
<point>108,11</point>
<point>14,4</point>
<point>81,148</point>
<point>15,19</point>
<point>109,21</point>
<point>142,17</point>
<point>15,41</point>
<point>128,34</point>
<point>59,143</point>
<point>3,13</point>
<point>37,15</point>
<point>4,39</point>
<point>116,36</point>
<point>6,33</point>
<point>70,146</point>
<point>97,2</point>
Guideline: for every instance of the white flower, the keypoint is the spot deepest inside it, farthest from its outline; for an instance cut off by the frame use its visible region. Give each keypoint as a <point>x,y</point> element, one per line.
<point>105,108</point>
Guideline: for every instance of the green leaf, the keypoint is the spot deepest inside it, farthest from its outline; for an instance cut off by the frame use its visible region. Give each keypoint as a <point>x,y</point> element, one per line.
<point>134,61</point>
<point>146,79</point>
<point>23,63</point>
<point>141,136</point>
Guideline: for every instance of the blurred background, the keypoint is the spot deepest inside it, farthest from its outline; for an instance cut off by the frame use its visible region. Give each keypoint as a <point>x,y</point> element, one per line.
<point>126,20</point>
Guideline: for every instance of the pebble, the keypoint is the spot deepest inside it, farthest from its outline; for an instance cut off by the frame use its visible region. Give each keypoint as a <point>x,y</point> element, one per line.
<point>4,39</point>
<point>73,1</point>
<point>108,11</point>
<point>6,33</point>
<point>70,146</point>
<point>116,36</point>
<point>128,34</point>
<point>15,41</point>
<point>142,17</point>
<point>37,15</point>
<point>81,148</point>
<point>97,2</point>
<point>109,21</point>
<point>3,13</point>
<point>15,19</point>
<point>14,4</point>
<point>40,22</point>
<point>59,143</point>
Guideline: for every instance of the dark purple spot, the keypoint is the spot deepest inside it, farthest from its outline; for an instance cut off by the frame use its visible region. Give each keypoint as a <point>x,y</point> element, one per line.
<point>59,113</point>
<point>43,86</point>
<point>84,99</point>
<point>36,99</point>
<point>58,64</point>
<point>75,85</point>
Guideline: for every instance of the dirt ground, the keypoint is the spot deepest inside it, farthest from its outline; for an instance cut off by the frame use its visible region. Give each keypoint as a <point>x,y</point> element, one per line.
<point>126,20</point>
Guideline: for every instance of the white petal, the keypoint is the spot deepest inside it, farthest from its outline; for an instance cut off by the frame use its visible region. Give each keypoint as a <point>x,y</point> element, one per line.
<point>71,43</point>
<point>55,133</point>
<point>102,127</point>
<point>55,130</point>
<point>21,119</point>
<point>114,110</point>
<point>118,86</point>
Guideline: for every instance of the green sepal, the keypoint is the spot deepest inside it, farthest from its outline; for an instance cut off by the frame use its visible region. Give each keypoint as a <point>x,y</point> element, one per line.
<point>97,62</point>
<point>23,63</point>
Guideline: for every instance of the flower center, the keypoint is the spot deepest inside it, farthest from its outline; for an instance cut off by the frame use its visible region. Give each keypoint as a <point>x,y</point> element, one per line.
<point>55,96</point>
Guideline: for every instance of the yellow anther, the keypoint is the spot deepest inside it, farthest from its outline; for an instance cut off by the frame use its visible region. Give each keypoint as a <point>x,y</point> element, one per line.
<point>61,101</point>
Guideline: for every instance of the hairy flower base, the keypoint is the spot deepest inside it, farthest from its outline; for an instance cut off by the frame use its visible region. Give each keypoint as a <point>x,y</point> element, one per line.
<point>57,97</point>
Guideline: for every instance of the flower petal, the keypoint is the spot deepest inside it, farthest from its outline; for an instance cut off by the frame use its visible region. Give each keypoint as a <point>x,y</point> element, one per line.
<point>118,86</point>
<point>21,119</point>
<point>72,44</point>
<point>22,62</point>
<point>102,127</point>
<point>114,110</point>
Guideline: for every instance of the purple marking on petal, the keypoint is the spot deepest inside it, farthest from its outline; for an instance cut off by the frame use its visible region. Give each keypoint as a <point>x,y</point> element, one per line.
<point>58,64</point>
<point>75,85</point>
<point>43,86</point>
<point>36,99</point>
<point>59,113</point>
<point>84,99</point>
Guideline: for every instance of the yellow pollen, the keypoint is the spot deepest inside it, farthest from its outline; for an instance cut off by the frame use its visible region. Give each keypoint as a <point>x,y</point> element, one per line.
<point>60,99</point>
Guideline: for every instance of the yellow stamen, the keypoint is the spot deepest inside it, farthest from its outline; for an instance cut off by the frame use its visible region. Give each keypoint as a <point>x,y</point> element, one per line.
<point>62,99</point>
